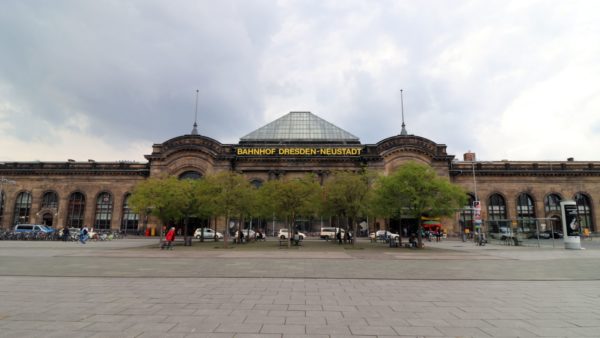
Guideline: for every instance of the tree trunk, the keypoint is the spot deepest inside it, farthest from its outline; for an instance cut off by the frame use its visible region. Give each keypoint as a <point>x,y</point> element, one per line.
<point>289,226</point>
<point>215,223</point>
<point>419,231</point>
<point>185,230</point>
<point>226,233</point>
<point>353,225</point>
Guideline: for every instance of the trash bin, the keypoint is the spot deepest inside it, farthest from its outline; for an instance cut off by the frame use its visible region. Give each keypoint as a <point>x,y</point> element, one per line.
<point>187,241</point>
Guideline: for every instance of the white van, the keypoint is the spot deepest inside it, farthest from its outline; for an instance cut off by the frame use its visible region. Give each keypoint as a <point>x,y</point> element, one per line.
<point>330,232</point>
<point>33,228</point>
<point>283,234</point>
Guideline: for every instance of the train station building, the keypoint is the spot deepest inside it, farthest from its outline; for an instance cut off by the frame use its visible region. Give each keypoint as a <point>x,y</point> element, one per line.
<point>72,193</point>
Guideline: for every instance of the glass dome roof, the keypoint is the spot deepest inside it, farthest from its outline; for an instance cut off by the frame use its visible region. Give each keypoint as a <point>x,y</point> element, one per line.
<point>300,127</point>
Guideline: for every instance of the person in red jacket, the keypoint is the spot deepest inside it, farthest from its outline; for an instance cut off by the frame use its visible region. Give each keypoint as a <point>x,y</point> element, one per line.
<point>169,238</point>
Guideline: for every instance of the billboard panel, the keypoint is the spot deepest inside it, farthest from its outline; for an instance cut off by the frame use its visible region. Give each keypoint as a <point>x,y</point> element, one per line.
<point>572,220</point>
<point>570,224</point>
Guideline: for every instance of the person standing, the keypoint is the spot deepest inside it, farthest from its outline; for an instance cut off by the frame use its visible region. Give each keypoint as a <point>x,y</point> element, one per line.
<point>169,238</point>
<point>83,235</point>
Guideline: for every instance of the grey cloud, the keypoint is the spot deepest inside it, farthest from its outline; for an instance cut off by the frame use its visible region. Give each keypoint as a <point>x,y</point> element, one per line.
<point>133,67</point>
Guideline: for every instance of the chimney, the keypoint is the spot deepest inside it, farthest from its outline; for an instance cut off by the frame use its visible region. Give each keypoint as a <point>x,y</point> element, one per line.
<point>570,159</point>
<point>469,156</point>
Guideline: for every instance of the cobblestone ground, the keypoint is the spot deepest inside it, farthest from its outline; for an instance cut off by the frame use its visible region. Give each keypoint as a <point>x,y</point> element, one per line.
<point>453,289</point>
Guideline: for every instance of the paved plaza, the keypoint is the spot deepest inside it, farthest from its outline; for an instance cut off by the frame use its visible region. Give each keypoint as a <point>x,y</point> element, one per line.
<point>130,288</point>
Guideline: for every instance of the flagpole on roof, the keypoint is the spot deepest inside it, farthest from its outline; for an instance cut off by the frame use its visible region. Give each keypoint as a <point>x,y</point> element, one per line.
<point>403,131</point>
<point>195,129</point>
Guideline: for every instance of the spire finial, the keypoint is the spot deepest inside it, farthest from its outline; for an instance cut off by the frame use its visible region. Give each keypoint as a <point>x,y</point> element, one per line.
<point>195,129</point>
<point>403,131</point>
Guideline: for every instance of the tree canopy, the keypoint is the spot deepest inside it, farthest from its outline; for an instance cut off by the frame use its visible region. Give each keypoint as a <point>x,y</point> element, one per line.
<point>345,195</point>
<point>416,190</point>
<point>161,197</point>
<point>290,198</point>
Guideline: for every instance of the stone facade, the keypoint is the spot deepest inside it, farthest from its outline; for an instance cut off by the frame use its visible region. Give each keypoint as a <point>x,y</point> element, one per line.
<point>203,155</point>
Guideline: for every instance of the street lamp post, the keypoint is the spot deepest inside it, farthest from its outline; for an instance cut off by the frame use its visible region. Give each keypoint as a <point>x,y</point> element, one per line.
<point>477,207</point>
<point>474,181</point>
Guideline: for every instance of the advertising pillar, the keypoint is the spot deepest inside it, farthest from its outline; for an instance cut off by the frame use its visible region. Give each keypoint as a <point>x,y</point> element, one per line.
<point>571,225</point>
<point>477,215</point>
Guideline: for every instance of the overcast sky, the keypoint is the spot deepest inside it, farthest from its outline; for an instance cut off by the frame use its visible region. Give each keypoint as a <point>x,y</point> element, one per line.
<point>104,80</point>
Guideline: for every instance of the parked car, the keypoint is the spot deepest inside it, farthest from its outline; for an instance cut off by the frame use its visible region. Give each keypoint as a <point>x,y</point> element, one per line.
<point>501,233</point>
<point>33,228</point>
<point>283,234</point>
<point>248,233</point>
<point>541,235</point>
<point>330,232</point>
<point>555,234</point>
<point>383,234</point>
<point>208,233</point>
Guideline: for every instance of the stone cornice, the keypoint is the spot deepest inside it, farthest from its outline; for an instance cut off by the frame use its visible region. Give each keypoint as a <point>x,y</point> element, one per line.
<point>522,168</point>
<point>75,168</point>
<point>192,143</point>
<point>415,144</point>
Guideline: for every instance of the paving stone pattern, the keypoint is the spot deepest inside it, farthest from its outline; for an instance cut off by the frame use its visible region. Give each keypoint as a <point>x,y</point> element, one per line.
<point>93,305</point>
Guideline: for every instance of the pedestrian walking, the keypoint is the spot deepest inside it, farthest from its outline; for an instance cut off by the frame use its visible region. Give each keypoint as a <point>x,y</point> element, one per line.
<point>83,235</point>
<point>169,238</point>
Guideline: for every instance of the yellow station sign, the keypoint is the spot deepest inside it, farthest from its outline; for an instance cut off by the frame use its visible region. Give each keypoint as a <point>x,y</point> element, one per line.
<point>299,151</point>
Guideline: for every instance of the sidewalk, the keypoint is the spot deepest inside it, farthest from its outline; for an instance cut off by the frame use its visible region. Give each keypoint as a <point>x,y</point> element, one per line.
<point>450,289</point>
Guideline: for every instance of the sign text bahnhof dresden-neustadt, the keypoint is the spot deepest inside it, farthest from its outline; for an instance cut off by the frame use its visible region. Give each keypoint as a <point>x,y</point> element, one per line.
<point>301,151</point>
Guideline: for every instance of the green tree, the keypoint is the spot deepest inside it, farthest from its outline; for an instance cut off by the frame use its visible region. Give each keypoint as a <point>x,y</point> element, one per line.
<point>189,193</point>
<point>416,190</point>
<point>232,195</point>
<point>289,199</point>
<point>345,194</point>
<point>160,197</point>
<point>206,192</point>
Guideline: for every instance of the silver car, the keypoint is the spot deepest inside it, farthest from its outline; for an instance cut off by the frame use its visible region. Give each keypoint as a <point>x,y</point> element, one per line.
<point>208,233</point>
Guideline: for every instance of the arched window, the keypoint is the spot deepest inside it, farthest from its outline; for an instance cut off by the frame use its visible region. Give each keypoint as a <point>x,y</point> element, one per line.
<point>130,218</point>
<point>190,175</point>
<point>496,207</point>
<point>22,208</point>
<point>104,209</point>
<point>467,214</point>
<point>497,213</point>
<point>76,210</point>
<point>584,208</point>
<point>50,200</point>
<point>2,197</point>
<point>525,212</point>
<point>552,203</point>
<point>256,183</point>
